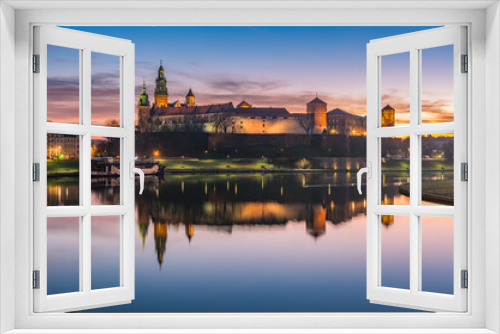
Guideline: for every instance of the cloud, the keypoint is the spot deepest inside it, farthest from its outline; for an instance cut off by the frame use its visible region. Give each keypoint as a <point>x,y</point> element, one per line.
<point>239,86</point>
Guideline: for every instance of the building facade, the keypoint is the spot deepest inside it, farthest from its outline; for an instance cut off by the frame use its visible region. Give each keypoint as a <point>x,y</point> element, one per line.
<point>163,116</point>
<point>63,146</point>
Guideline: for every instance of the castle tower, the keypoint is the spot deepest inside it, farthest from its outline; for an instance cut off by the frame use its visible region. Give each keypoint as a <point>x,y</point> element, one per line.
<point>318,108</point>
<point>161,92</point>
<point>388,116</point>
<point>143,107</point>
<point>190,100</point>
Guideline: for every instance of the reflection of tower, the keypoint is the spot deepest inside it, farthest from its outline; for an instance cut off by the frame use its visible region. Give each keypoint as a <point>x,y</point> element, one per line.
<point>161,92</point>
<point>190,100</point>
<point>388,116</point>
<point>189,231</point>
<point>318,108</point>
<point>143,107</point>
<point>143,222</point>
<point>160,240</point>
<point>316,224</point>
<point>387,219</point>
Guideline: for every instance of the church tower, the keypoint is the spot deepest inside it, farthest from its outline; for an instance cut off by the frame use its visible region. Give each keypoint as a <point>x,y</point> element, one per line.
<point>161,92</point>
<point>143,107</point>
<point>190,99</point>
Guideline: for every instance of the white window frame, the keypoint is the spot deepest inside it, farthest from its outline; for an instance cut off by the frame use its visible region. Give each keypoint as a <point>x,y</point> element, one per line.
<point>413,44</point>
<point>483,246</point>
<point>85,43</point>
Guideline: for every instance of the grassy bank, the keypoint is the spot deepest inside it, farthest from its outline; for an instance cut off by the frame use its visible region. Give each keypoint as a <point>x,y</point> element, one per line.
<point>399,164</point>
<point>433,191</point>
<point>62,167</point>
<point>70,167</point>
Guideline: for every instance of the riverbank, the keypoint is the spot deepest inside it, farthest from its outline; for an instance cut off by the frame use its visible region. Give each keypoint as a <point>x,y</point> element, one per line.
<point>62,168</point>
<point>433,191</point>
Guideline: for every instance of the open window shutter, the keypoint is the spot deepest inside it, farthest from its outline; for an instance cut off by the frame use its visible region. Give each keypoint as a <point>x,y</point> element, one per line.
<point>416,297</point>
<point>85,297</point>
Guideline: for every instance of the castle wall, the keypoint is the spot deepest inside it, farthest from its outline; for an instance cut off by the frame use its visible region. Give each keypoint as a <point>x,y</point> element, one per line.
<point>267,126</point>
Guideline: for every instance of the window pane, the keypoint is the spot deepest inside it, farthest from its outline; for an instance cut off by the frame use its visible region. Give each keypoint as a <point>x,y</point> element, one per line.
<point>395,252</point>
<point>63,85</point>
<point>437,85</point>
<point>63,170</point>
<point>63,255</point>
<point>105,90</point>
<point>437,254</point>
<point>105,167</point>
<point>395,169</point>
<point>395,90</point>
<point>105,252</point>
<point>437,169</point>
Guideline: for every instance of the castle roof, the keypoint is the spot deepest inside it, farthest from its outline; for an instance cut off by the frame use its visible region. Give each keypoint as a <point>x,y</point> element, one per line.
<point>213,108</point>
<point>190,93</point>
<point>261,112</point>
<point>338,111</point>
<point>244,104</point>
<point>387,107</point>
<point>317,100</point>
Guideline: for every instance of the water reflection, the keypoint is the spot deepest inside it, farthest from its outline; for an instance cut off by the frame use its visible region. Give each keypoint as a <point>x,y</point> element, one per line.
<point>251,243</point>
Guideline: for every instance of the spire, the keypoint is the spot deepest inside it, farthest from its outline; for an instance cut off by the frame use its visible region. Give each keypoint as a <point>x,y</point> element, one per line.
<point>161,91</point>
<point>190,93</point>
<point>143,99</point>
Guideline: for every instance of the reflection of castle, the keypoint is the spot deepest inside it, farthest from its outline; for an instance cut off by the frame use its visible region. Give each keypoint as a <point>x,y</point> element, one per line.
<point>163,116</point>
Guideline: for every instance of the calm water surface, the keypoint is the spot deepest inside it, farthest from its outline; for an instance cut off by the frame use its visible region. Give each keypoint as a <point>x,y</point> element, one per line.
<point>247,243</point>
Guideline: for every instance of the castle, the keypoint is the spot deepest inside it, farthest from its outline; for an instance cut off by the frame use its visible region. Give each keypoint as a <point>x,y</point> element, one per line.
<point>163,116</point>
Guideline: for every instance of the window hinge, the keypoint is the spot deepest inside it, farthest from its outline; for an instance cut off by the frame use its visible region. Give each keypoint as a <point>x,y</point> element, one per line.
<point>465,279</point>
<point>36,172</point>
<point>464,171</point>
<point>36,279</point>
<point>36,63</point>
<point>465,64</point>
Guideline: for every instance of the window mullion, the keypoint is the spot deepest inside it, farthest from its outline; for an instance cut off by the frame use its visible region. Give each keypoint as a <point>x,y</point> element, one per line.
<point>414,169</point>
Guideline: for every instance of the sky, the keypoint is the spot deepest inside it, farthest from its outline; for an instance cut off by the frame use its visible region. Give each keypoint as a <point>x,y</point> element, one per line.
<point>266,66</point>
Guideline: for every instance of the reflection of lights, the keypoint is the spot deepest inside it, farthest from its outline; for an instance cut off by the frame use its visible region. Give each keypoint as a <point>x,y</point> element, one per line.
<point>227,186</point>
<point>262,183</point>
<point>206,188</point>
<point>281,191</point>
<point>182,187</point>
<point>303,180</point>
<point>236,188</point>
<point>329,189</point>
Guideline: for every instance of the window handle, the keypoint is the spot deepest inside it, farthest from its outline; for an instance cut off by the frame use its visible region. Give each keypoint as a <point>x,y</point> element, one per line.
<point>139,171</point>
<point>360,173</point>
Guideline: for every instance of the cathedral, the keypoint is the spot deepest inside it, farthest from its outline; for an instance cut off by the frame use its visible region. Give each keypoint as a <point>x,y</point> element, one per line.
<point>165,116</point>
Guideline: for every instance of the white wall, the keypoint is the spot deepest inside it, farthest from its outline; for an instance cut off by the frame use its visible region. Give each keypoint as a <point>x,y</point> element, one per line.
<point>492,153</point>
<point>7,186</point>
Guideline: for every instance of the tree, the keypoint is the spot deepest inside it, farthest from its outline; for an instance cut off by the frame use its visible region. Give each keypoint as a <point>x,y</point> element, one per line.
<point>221,122</point>
<point>112,122</point>
<point>307,123</point>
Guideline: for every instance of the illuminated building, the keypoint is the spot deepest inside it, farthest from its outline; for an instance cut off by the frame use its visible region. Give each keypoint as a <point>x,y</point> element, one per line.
<point>340,122</point>
<point>63,146</point>
<point>224,117</point>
